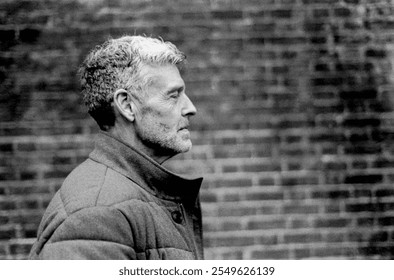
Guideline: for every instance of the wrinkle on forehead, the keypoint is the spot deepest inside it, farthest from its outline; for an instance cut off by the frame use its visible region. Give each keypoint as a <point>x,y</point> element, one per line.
<point>159,80</point>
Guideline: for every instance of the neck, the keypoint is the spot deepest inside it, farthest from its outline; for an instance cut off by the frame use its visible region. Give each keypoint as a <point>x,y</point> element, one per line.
<point>129,137</point>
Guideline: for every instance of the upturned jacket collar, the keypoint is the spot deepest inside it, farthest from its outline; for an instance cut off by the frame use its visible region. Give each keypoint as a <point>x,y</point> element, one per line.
<point>143,170</point>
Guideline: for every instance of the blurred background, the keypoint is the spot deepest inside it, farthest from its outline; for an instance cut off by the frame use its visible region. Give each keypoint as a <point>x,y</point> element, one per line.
<point>294,133</point>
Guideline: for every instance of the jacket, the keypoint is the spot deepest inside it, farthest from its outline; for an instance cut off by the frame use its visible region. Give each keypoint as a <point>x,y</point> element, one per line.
<point>121,204</point>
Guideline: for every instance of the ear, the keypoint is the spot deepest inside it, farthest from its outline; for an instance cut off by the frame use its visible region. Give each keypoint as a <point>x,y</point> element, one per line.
<point>124,104</point>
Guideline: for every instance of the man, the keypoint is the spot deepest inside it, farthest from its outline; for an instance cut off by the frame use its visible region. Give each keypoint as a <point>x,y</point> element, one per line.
<point>121,203</point>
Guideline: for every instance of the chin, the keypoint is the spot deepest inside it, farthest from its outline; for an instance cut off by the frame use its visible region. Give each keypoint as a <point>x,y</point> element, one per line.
<point>185,147</point>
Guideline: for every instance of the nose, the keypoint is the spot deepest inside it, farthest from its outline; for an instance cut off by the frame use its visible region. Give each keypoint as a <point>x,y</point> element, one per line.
<point>188,109</point>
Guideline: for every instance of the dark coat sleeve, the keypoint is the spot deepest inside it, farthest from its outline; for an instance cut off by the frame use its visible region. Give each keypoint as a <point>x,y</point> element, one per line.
<point>90,233</point>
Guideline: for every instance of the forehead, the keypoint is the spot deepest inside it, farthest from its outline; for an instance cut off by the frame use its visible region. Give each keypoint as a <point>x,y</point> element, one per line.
<point>162,76</point>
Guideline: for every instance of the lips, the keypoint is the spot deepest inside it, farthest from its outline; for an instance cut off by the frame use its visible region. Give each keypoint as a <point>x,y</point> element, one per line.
<point>184,126</point>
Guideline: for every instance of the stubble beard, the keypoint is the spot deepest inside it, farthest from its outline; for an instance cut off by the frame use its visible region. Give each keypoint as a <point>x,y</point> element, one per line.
<point>162,140</point>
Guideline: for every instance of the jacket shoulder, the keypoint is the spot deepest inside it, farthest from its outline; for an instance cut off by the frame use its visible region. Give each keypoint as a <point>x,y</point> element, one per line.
<point>95,184</point>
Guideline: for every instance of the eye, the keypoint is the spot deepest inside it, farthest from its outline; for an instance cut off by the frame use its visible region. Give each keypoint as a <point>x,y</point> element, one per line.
<point>176,93</point>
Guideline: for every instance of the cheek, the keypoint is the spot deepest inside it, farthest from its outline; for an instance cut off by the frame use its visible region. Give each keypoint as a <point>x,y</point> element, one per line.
<point>161,120</point>
<point>163,127</point>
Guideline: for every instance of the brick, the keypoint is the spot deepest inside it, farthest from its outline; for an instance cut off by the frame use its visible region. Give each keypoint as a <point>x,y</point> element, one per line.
<point>231,197</point>
<point>215,254</point>
<point>7,204</point>
<point>271,254</point>
<point>8,38</point>
<point>230,168</point>
<point>381,236</point>
<point>320,40</point>
<point>267,239</point>
<point>334,194</point>
<point>364,179</point>
<point>336,166</point>
<point>60,160</point>
<point>361,122</point>
<point>6,147</point>
<point>342,12</point>
<point>331,251</point>
<point>381,193</point>
<point>362,149</point>
<point>328,81</point>
<point>7,175</point>
<point>286,40</point>
<point>238,211</point>
<point>361,207</point>
<point>236,182</point>
<point>26,217</point>
<point>300,209</point>
<point>380,136</point>
<point>375,53</point>
<point>29,35</point>
<point>350,66</point>
<point>336,237</point>
<point>297,223</point>
<point>266,224</point>
<point>335,207</point>
<point>28,175</point>
<point>386,221</point>
<point>359,164</point>
<point>365,221</point>
<point>208,197</point>
<point>256,41</point>
<point>332,223</point>
<point>288,180</point>
<point>4,219</point>
<point>227,14</point>
<point>26,147</point>
<point>362,192</point>
<point>359,94</point>
<point>30,203</point>
<point>358,137</point>
<point>230,241</point>
<point>29,231</point>
<point>291,166</point>
<point>260,167</point>
<point>7,233</point>
<point>263,27</point>
<point>231,152</point>
<point>322,67</point>
<point>265,196</point>
<point>282,13</point>
<point>303,253</point>
<point>302,238</point>
<point>331,2</point>
<point>230,226</point>
<point>56,174</point>
<point>20,249</point>
<point>376,250</point>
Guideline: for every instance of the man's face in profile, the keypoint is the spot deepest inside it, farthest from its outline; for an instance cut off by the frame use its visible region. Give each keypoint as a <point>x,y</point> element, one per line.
<point>162,120</point>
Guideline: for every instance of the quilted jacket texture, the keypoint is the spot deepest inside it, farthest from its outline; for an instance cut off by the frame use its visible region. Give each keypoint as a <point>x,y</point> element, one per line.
<point>120,204</point>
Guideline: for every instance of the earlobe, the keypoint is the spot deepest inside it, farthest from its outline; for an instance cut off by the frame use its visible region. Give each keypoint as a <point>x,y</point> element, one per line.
<point>124,104</point>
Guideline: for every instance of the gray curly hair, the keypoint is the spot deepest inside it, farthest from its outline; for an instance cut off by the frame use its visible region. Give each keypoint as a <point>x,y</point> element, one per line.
<point>116,64</point>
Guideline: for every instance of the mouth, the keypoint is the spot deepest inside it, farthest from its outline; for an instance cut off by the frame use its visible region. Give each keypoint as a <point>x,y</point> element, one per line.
<point>184,126</point>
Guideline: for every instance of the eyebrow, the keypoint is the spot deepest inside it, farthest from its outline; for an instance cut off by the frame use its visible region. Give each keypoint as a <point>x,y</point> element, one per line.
<point>175,88</point>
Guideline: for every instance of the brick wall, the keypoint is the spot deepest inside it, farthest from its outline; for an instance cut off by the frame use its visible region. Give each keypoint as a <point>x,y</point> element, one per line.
<point>294,132</point>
